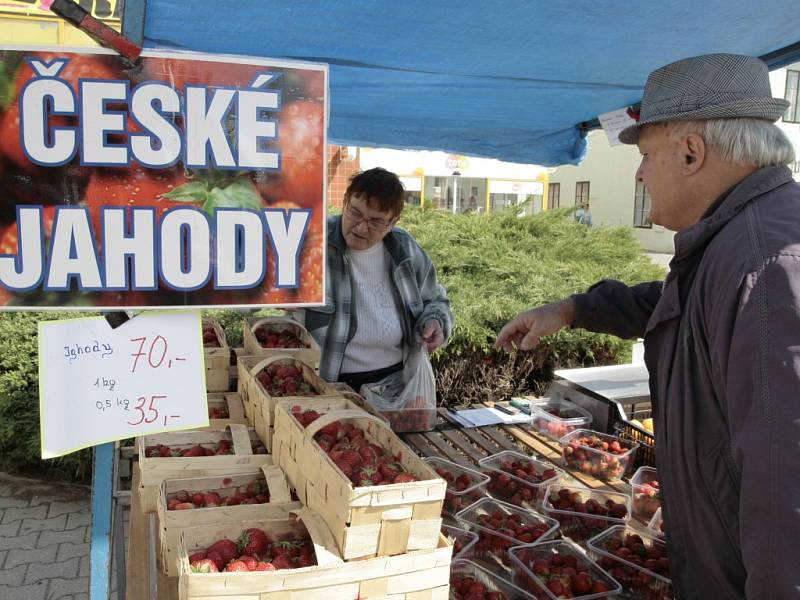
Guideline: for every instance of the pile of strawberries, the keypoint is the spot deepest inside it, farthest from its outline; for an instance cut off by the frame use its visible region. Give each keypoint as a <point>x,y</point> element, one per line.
<point>218,412</point>
<point>222,447</point>
<point>646,499</point>
<point>587,521</point>
<point>210,339</point>
<point>456,497</point>
<point>554,428</point>
<point>633,551</point>
<point>255,550</point>
<point>274,338</point>
<point>511,530</point>
<point>255,492</point>
<point>603,464</point>
<point>520,482</point>
<point>467,587</point>
<point>564,574</point>
<point>364,463</point>
<point>418,414</point>
<point>285,378</point>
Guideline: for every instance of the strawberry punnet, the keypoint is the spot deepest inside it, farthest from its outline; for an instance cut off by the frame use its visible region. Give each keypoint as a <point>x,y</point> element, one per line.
<point>362,462</point>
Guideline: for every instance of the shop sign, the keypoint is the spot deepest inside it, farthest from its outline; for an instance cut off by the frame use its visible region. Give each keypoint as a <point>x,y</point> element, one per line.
<point>190,180</point>
<point>456,162</point>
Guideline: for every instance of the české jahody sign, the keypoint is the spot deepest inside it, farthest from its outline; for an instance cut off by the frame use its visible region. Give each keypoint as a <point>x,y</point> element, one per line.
<point>188,180</point>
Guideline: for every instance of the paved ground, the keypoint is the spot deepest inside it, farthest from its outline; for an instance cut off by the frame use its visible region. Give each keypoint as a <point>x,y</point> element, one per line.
<point>44,540</point>
<point>660,259</point>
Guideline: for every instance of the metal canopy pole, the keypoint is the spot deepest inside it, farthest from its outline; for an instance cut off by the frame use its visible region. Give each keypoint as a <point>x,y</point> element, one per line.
<point>100,552</point>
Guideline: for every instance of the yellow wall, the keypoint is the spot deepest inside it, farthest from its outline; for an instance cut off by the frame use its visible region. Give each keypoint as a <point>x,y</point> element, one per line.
<point>23,23</point>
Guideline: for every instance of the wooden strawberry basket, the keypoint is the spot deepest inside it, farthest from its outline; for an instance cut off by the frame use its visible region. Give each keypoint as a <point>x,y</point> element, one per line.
<point>217,360</point>
<point>172,522</point>
<point>418,575</point>
<point>260,404</point>
<point>309,354</point>
<point>379,520</point>
<point>229,403</point>
<point>157,469</point>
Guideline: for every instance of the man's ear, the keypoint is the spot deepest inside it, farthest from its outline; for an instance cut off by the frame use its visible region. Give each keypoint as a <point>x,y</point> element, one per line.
<point>693,150</point>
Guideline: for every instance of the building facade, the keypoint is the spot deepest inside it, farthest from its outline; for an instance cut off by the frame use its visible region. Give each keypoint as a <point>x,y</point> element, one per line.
<point>606,180</point>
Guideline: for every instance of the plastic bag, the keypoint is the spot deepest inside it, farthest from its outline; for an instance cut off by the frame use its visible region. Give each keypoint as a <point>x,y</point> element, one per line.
<point>408,397</point>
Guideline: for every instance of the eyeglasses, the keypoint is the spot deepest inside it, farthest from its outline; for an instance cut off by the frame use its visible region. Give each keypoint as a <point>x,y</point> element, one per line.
<point>372,224</point>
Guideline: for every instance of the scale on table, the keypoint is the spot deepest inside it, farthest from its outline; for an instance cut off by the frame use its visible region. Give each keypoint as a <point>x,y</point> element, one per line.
<point>611,394</point>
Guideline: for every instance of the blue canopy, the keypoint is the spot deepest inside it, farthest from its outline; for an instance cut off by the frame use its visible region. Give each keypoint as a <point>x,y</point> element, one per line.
<point>511,80</point>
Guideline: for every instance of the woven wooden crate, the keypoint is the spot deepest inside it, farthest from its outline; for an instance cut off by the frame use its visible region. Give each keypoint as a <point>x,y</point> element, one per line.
<point>308,355</point>
<point>260,405</point>
<point>157,469</point>
<point>234,405</point>
<point>419,575</point>
<point>172,522</point>
<point>217,361</point>
<point>281,443</point>
<point>366,521</point>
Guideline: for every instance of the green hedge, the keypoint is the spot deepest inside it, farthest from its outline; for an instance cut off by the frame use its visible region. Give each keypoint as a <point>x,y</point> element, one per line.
<point>492,266</point>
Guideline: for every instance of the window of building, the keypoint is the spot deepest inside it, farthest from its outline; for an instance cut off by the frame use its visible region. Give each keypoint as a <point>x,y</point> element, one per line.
<point>554,195</point>
<point>641,207</point>
<point>581,193</point>
<point>792,114</point>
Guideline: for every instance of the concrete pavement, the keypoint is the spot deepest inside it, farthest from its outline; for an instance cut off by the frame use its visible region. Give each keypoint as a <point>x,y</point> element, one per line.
<point>45,530</point>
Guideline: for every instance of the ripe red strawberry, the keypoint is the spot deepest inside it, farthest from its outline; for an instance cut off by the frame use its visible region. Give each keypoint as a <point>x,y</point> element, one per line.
<point>351,457</point>
<point>216,558</point>
<point>204,566</point>
<point>405,478</point>
<point>282,562</point>
<point>236,566</point>
<point>264,566</point>
<point>197,556</point>
<point>250,561</point>
<point>254,542</point>
<point>344,467</point>
<point>185,506</point>
<point>227,549</point>
<point>198,498</point>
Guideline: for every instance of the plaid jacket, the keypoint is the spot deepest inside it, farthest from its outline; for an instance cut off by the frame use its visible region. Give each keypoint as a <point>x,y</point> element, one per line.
<point>417,292</point>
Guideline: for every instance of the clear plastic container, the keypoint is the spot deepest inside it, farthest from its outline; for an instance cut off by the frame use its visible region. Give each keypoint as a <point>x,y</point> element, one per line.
<point>645,493</point>
<point>597,462</point>
<point>555,417</point>
<point>464,486</point>
<point>579,524</point>
<point>656,524</point>
<point>531,575</point>
<point>488,518</point>
<point>464,574</point>
<point>463,541</point>
<point>643,571</point>
<point>508,485</point>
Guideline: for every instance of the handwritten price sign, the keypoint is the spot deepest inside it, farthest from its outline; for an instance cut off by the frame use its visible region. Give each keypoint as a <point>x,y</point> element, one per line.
<point>98,384</point>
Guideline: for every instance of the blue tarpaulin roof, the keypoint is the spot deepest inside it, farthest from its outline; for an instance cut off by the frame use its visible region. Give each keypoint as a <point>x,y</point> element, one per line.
<point>510,79</point>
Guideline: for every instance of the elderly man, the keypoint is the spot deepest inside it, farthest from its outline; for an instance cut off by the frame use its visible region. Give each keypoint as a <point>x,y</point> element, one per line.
<point>722,332</point>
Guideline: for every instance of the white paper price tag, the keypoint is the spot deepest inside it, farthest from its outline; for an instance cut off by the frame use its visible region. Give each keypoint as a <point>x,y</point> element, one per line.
<point>98,384</point>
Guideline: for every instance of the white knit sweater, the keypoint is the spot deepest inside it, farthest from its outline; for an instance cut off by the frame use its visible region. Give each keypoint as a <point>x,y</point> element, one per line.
<point>379,337</point>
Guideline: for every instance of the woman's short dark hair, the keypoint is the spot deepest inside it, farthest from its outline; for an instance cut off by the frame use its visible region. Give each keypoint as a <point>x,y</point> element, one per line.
<point>382,190</point>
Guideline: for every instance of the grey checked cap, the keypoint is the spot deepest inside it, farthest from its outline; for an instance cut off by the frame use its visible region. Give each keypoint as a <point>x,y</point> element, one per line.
<point>713,86</point>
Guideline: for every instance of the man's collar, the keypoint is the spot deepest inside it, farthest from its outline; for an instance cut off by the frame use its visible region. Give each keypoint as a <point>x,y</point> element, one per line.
<point>728,206</point>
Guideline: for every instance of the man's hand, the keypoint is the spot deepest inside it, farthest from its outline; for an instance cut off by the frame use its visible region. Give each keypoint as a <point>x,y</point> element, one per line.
<point>524,330</point>
<point>432,336</point>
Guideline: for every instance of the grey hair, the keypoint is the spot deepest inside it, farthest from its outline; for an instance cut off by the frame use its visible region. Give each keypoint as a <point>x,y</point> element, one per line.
<point>743,141</point>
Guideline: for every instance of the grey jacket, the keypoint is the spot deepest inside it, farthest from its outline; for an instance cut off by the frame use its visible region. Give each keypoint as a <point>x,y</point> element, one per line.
<point>722,345</point>
<point>417,293</point>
